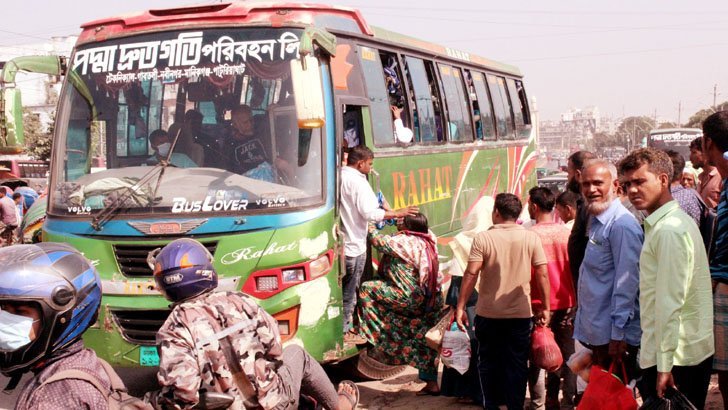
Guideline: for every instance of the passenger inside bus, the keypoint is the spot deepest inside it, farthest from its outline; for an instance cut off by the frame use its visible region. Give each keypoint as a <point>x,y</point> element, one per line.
<point>190,136</point>
<point>246,154</point>
<point>397,101</point>
<point>161,144</point>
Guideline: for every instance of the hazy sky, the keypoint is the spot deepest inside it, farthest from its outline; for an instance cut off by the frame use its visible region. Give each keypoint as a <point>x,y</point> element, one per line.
<point>631,57</point>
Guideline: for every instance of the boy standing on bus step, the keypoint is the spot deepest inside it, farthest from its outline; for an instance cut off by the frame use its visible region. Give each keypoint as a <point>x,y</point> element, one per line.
<point>359,206</point>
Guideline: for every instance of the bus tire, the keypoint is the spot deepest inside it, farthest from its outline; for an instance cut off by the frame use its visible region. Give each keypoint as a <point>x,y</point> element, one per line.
<point>368,368</point>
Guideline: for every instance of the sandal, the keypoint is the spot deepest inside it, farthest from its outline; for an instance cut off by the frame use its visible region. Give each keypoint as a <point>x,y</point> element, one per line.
<point>355,338</point>
<point>353,400</point>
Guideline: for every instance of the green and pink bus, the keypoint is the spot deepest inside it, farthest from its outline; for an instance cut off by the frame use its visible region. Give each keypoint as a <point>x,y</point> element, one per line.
<point>311,75</point>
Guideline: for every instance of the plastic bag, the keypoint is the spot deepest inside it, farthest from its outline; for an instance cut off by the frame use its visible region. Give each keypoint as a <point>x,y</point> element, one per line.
<point>455,351</point>
<point>606,391</point>
<point>673,400</point>
<point>545,353</point>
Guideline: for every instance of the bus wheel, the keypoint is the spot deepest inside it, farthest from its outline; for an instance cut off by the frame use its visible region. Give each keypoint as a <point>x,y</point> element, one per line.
<point>368,368</point>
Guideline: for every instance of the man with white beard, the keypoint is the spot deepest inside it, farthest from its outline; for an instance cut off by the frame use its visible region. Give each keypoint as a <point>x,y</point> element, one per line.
<point>608,318</point>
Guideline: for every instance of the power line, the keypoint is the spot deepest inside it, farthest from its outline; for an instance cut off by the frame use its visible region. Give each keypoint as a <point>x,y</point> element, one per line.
<point>615,30</point>
<point>549,12</point>
<point>618,53</point>
<point>24,35</point>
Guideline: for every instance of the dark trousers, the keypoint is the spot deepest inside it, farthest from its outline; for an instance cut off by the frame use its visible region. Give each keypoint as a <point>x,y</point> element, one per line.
<point>503,346</point>
<point>692,381</point>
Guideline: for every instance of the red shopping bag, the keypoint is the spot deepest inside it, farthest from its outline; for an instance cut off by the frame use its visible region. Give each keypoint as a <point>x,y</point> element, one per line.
<point>606,391</point>
<point>545,353</point>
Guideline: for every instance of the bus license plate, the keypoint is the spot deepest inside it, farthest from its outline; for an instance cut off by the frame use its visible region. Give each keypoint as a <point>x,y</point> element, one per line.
<point>148,356</point>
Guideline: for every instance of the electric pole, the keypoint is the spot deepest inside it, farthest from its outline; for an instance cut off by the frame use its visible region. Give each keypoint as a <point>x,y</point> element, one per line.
<point>715,96</point>
<point>679,111</point>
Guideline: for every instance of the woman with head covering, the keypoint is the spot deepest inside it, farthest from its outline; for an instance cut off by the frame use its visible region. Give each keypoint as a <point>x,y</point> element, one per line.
<point>689,177</point>
<point>396,311</point>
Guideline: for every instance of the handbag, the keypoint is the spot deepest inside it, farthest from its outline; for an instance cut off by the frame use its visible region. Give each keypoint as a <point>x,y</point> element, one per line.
<point>433,337</point>
<point>606,391</point>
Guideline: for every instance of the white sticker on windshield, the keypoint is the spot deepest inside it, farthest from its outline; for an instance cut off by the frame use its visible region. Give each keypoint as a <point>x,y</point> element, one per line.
<point>182,205</point>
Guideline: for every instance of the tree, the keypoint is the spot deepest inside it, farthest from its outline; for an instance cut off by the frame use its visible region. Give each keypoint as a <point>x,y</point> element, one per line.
<point>606,140</point>
<point>37,141</point>
<point>668,124</point>
<point>696,120</point>
<point>634,129</point>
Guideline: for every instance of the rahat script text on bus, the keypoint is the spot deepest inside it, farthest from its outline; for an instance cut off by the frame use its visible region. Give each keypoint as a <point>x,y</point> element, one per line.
<point>421,186</point>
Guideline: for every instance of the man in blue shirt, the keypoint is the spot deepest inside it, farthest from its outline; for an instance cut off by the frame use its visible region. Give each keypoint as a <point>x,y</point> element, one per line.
<point>608,318</point>
<point>160,142</point>
<point>715,148</point>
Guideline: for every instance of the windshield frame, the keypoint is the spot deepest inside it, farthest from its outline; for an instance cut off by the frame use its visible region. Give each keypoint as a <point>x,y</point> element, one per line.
<point>57,174</point>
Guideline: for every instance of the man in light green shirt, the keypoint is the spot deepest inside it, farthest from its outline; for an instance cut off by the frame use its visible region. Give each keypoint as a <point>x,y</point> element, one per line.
<point>675,290</point>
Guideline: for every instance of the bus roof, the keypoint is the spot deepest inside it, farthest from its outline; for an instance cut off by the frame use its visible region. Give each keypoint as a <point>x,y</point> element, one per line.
<point>387,35</point>
<point>673,130</point>
<point>271,14</point>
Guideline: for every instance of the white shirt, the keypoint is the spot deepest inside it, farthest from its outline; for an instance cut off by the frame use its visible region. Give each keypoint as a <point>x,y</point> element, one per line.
<point>402,133</point>
<point>359,206</point>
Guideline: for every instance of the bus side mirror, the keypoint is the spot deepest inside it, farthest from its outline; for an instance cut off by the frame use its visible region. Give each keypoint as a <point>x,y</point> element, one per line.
<point>308,92</point>
<point>11,121</point>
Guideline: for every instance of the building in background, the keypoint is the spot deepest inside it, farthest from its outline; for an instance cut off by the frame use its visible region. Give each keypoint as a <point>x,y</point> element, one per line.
<point>40,91</point>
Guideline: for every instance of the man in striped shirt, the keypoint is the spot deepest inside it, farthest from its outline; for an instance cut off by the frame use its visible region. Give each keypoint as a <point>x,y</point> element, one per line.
<point>715,149</point>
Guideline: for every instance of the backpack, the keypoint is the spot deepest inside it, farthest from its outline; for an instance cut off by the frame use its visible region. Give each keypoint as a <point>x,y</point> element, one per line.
<point>118,397</point>
<point>708,217</point>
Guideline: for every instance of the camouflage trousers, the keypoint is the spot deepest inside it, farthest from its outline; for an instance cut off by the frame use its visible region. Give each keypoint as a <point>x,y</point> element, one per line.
<point>302,374</point>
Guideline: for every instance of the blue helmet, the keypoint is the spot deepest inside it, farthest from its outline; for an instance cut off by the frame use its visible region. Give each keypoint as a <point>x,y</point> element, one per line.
<point>62,283</point>
<point>183,269</point>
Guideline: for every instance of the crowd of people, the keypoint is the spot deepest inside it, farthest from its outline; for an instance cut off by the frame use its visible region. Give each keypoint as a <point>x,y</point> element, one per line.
<point>619,264</point>
<point>623,271</point>
<point>13,206</point>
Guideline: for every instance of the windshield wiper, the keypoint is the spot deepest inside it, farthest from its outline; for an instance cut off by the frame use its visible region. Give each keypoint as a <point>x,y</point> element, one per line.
<point>107,213</point>
<point>164,163</point>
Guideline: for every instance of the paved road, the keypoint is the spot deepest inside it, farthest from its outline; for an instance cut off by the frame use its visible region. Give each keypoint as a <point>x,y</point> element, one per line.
<point>395,393</point>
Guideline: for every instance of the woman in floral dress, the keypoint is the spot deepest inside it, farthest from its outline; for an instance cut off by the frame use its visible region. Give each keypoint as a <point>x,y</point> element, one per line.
<point>396,311</point>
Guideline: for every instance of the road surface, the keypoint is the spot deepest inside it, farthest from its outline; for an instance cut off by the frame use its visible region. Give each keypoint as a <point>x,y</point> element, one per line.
<point>395,393</point>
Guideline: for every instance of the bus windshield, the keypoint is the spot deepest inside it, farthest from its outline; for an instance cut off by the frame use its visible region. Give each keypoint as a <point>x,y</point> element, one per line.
<point>215,107</point>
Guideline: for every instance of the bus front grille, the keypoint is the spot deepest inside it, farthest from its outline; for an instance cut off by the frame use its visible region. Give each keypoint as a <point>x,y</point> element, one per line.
<point>132,258</point>
<point>139,326</point>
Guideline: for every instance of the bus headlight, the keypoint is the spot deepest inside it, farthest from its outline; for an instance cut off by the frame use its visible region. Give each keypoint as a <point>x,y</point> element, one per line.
<point>293,275</point>
<point>320,266</point>
<point>266,283</point>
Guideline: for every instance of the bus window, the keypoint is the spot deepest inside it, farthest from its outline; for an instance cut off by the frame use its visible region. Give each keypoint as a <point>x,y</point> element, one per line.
<point>378,98</point>
<point>437,102</point>
<point>460,127</point>
<point>501,106</point>
<point>520,107</point>
<point>425,128</point>
<point>486,130</point>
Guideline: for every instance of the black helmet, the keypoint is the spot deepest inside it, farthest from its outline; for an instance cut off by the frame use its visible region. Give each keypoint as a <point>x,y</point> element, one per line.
<point>59,281</point>
<point>183,269</point>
